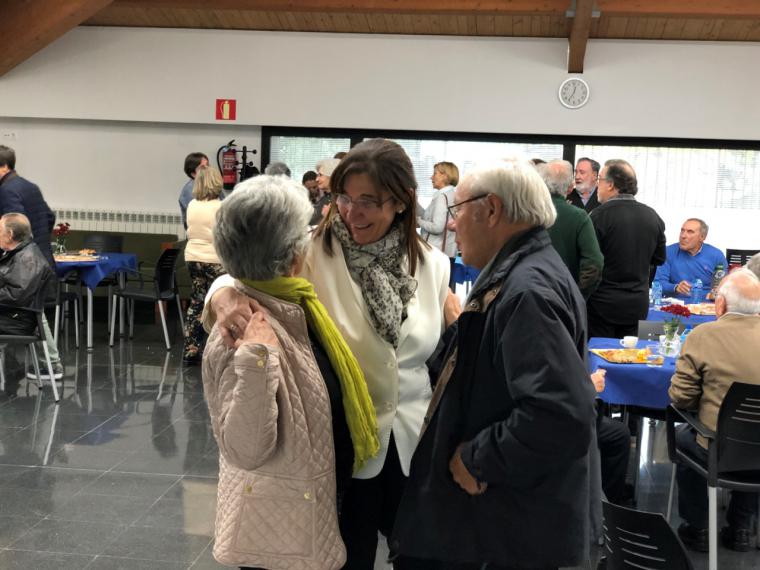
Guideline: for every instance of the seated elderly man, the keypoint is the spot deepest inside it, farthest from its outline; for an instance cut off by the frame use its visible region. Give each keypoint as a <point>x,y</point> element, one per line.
<point>714,356</point>
<point>689,259</point>
<point>23,271</point>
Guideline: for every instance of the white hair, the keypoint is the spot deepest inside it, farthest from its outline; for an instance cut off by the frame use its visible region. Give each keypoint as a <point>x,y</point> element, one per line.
<point>521,190</point>
<point>734,290</point>
<point>262,226</point>
<point>754,264</point>
<point>557,175</point>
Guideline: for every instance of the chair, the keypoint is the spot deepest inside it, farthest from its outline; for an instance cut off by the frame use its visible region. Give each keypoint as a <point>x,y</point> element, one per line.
<point>739,257</point>
<point>164,289</point>
<point>61,302</point>
<point>733,456</point>
<point>640,540</point>
<point>36,334</point>
<point>651,330</point>
<point>105,243</point>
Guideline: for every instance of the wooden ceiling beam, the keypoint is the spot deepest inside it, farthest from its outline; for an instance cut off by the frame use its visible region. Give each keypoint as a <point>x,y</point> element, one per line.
<point>27,27</point>
<point>475,7</point>
<point>579,33</point>
<point>682,8</point>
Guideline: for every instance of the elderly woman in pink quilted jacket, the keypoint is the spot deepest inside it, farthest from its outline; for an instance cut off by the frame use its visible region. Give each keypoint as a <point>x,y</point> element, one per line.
<point>289,404</point>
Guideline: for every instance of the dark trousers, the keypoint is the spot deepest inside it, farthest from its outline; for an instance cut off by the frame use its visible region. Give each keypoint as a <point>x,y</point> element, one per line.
<point>614,441</point>
<point>369,506</point>
<point>408,563</point>
<point>692,490</point>
<point>599,326</point>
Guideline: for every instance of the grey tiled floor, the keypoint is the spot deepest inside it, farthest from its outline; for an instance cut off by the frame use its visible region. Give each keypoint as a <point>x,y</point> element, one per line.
<point>122,473</point>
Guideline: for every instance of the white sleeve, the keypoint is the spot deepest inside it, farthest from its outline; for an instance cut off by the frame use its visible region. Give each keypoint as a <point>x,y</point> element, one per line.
<point>208,318</point>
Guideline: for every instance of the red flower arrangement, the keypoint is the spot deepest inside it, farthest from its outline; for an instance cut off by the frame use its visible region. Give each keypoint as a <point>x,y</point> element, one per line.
<point>671,325</point>
<point>61,230</point>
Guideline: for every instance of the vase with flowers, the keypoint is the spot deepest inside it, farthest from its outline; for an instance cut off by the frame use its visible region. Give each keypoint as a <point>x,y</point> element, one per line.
<point>670,345</point>
<point>60,232</point>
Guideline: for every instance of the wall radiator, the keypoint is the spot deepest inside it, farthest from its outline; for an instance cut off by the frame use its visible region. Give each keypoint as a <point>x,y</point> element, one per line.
<point>121,221</point>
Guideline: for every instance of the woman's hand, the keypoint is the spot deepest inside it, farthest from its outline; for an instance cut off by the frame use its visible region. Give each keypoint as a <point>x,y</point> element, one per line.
<point>259,330</point>
<point>233,310</point>
<point>452,308</point>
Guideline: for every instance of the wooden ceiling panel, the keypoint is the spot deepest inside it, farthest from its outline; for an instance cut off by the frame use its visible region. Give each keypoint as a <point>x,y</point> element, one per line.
<point>630,19</point>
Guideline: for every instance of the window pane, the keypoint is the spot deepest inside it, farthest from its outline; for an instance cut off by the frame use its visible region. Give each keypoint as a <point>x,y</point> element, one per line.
<point>719,186</point>
<point>689,177</point>
<point>465,154</point>
<point>301,154</point>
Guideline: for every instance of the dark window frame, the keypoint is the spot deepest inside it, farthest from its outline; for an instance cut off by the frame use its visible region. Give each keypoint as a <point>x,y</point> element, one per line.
<point>569,142</point>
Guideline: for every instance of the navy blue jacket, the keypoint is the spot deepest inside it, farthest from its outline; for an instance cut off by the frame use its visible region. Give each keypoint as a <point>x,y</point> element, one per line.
<point>19,195</point>
<point>520,401</point>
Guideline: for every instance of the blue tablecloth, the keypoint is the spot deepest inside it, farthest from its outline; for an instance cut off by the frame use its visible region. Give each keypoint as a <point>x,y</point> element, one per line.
<point>93,272</point>
<point>632,384</point>
<point>657,315</point>
<point>464,273</point>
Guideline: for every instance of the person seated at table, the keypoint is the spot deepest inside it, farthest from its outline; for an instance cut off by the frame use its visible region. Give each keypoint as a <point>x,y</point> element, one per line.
<point>714,356</point>
<point>200,255</point>
<point>688,260</point>
<point>614,441</point>
<point>24,270</point>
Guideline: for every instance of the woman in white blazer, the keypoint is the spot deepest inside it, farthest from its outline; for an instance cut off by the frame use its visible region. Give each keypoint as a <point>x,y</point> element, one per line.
<point>386,290</point>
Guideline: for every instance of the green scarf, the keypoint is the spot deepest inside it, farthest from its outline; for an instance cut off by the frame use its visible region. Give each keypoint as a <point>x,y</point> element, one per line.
<point>360,412</point>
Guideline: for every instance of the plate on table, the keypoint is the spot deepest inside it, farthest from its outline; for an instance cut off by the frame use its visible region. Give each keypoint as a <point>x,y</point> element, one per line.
<point>627,355</point>
<point>75,257</point>
<point>702,308</point>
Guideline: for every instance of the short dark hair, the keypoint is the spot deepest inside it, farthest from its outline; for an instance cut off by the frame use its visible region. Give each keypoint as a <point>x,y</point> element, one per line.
<point>595,166</point>
<point>622,176</point>
<point>308,176</point>
<point>193,161</point>
<point>7,157</point>
<point>340,155</point>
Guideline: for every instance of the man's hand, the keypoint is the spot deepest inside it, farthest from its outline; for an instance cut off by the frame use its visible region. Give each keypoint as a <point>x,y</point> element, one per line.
<point>463,478</point>
<point>683,288</point>
<point>452,308</point>
<point>233,310</point>
<point>598,379</point>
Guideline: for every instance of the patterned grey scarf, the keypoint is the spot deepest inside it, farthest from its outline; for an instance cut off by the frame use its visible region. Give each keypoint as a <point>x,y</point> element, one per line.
<point>385,286</point>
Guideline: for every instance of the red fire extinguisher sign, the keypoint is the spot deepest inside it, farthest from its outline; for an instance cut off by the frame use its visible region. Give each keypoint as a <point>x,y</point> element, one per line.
<point>226,109</point>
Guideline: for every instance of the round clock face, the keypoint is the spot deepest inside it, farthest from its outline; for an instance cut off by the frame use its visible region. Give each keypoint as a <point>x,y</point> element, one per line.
<point>573,92</point>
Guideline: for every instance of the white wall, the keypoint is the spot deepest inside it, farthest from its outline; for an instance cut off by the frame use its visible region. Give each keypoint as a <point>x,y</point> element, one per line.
<point>105,164</point>
<point>161,86</point>
<point>668,89</point>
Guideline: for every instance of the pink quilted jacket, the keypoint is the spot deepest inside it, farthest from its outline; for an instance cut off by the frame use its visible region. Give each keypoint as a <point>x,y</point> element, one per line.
<point>270,413</point>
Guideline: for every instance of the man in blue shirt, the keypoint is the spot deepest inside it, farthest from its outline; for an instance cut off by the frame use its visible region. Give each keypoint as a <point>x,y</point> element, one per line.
<point>688,260</point>
<point>193,162</point>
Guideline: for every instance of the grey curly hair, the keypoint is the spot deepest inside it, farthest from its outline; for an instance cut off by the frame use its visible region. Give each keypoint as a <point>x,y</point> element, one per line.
<point>262,227</point>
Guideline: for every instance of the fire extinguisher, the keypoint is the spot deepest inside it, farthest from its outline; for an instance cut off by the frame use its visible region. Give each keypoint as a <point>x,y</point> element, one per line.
<point>226,158</point>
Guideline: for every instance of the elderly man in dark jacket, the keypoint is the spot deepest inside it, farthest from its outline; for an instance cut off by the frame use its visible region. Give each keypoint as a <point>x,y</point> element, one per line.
<point>26,279</point>
<point>20,196</point>
<point>501,473</point>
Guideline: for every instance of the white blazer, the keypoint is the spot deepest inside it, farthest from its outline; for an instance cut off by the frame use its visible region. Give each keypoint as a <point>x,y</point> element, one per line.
<point>398,380</point>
